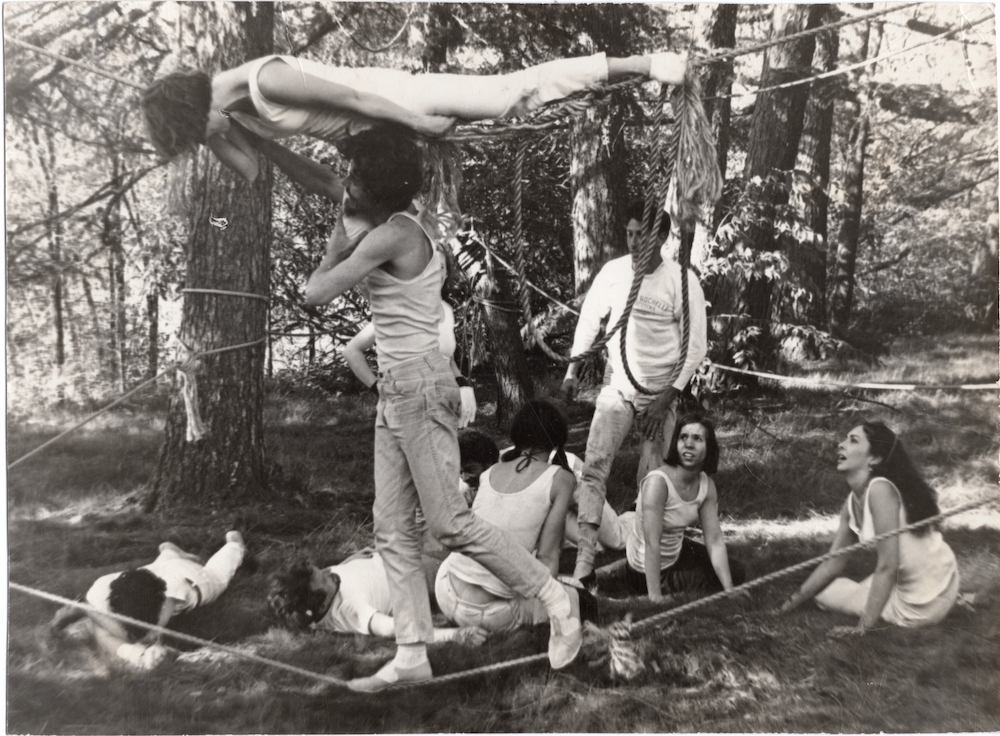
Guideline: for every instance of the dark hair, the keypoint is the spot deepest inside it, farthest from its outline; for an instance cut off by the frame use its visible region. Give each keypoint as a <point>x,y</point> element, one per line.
<point>637,209</point>
<point>894,464</point>
<point>388,162</point>
<point>175,108</point>
<point>138,594</point>
<point>476,447</point>
<point>293,602</point>
<point>711,464</point>
<point>539,425</point>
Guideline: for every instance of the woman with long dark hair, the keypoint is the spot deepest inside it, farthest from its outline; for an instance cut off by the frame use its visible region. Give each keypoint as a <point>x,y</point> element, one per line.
<point>915,582</point>
<point>661,558</point>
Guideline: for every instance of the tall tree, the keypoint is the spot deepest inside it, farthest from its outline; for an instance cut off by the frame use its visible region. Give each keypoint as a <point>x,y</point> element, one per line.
<point>811,196</point>
<point>842,294</point>
<point>228,464</point>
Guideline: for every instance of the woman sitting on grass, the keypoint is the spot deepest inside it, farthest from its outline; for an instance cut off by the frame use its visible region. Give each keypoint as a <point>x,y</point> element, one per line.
<point>672,497</point>
<point>525,496</point>
<point>287,96</point>
<point>915,582</point>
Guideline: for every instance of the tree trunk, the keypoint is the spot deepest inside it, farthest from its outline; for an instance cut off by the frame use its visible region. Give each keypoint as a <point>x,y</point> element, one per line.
<point>111,236</point>
<point>47,162</point>
<point>716,30</point>
<point>495,292</point>
<point>842,295</point>
<point>597,165</point>
<point>153,331</point>
<point>227,465</point>
<point>812,200</point>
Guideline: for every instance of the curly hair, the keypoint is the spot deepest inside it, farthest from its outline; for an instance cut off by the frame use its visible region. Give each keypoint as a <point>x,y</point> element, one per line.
<point>388,162</point>
<point>711,464</point>
<point>291,599</point>
<point>175,108</point>
<point>895,465</point>
<point>137,594</point>
<point>636,210</point>
<point>476,447</point>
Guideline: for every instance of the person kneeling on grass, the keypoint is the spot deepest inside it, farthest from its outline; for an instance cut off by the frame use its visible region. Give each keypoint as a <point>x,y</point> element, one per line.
<point>915,582</point>
<point>661,559</point>
<point>173,583</point>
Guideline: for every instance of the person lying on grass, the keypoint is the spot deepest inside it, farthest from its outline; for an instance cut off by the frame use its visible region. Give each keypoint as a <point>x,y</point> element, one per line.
<point>915,582</point>
<point>282,96</point>
<point>173,583</point>
<point>352,597</point>
<point>661,559</point>
<point>526,497</point>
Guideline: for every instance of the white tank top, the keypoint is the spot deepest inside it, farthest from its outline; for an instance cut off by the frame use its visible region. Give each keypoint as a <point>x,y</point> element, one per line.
<point>520,515</point>
<point>677,515</point>
<point>407,313</point>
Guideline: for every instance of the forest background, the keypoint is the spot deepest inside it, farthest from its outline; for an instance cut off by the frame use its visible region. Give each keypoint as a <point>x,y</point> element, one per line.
<point>857,236</point>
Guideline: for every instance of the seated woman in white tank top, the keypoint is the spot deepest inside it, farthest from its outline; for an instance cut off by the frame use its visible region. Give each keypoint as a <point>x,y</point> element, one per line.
<point>679,494</point>
<point>526,497</point>
<point>915,582</point>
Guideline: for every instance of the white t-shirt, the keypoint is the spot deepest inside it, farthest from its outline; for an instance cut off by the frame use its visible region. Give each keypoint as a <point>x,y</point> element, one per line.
<point>364,591</point>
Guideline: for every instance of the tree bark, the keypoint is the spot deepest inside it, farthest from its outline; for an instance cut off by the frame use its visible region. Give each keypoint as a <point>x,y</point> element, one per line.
<point>153,332</point>
<point>227,465</point>
<point>597,164</point>
<point>842,295</point>
<point>495,292</point>
<point>111,235</point>
<point>812,199</point>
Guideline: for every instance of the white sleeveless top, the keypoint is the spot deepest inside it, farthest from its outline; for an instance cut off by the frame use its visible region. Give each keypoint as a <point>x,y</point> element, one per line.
<point>677,515</point>
<point>927,568</point>
<point>520,515</point>
<point>407,313</point>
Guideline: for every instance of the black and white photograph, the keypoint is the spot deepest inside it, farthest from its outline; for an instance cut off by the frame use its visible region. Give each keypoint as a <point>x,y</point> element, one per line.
<point>556,367</point>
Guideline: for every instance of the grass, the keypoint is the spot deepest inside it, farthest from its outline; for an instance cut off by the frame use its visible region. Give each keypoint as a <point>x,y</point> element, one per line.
<point>74,514</point>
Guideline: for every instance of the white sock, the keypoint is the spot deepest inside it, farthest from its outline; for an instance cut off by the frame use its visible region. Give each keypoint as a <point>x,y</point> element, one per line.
<point>555,598</point>
<point>410,655</point>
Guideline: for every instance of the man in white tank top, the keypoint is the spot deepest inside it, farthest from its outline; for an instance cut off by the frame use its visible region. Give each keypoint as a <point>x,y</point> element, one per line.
<point>416,424</point>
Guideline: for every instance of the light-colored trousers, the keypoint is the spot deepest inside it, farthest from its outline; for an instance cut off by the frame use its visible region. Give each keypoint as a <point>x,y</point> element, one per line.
<point>613,419</point>
<point>417,464</point>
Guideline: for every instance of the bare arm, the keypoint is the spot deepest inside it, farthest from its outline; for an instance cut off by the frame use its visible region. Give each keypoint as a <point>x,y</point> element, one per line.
<point>286,85</point>
<point>311,175</point>
<point>653,498</point>
<point>551,537</point>
<point>234,151</point>
<point>827,571</point>
<point>337,273</point>
<point>354,354</point>
<point>714,541</point>
<point>883,502</point>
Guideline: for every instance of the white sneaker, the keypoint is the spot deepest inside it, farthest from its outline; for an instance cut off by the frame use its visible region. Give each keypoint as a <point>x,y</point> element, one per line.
<point>566,634</point>
<point>234,537</point>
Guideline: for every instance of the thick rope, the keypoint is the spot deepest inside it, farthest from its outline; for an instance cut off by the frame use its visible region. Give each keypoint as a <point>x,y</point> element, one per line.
<point>223,292</point>
<point>867,385</point>
<point>656,619</point>
<point>659,618</point>
<point>178,635</point>
<point>120,399</point>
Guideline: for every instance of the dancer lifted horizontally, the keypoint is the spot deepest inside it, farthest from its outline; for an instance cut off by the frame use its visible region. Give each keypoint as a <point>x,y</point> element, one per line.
<point>416,446</point>
<point>282,96</point>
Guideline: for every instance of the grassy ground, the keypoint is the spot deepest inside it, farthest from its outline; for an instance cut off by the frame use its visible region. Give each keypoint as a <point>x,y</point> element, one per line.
<point>73,514</point>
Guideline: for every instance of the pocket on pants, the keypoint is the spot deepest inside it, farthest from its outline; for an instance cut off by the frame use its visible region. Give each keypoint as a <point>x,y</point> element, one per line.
<point>405,411</point>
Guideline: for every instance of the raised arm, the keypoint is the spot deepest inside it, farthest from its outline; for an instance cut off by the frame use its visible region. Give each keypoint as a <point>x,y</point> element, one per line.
<point>335,276</point>
<point>653,498</point>
<point>714,541</point>
<point>234,150</point>
<point>551,537</point>
<point>286,85</point>
<point>823,575</point>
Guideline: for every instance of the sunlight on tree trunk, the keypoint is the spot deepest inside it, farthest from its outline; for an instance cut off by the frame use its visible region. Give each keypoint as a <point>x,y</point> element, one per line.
<point>228,464</point>
<point>842,296</point>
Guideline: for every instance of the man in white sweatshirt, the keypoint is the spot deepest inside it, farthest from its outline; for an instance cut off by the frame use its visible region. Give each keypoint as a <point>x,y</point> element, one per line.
<point>653,348</point>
